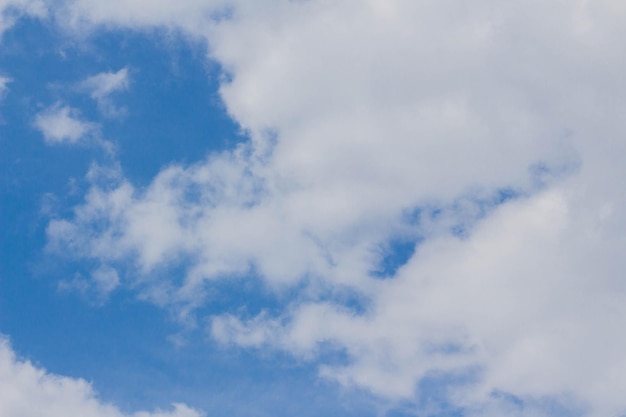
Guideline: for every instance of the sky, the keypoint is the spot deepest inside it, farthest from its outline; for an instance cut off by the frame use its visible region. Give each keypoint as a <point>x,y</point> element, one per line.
<point>373,208</point>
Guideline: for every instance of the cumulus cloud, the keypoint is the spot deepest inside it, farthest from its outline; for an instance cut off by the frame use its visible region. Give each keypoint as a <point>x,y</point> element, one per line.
<point>532,298</point>
<point>101,86</point>
<point>371,121</point>
<point>29,391</point>
<point>61,124</point>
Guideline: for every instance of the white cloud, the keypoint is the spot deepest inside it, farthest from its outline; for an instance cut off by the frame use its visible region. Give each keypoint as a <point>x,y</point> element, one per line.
<point>97,288</point>
<point>3,86</point>
<point>106,279</point>
<point>3,91</point>
<point>11,10</point>
<point>188,15</point>
<point>532,298</point>
<point>29,391</point>
<point>101,86</point>
<point>62,124</point>
<point>362,112</point>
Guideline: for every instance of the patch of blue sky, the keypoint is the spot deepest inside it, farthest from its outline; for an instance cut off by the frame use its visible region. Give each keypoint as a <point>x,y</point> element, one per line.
<point>248,295</point>
<point>543,174</point>
<point>398,249</point>
<point>227,381</point>
<point>174,115</point>
<point>394,254</point>
<point>432,396</point>
<point>481,207</point>
<point>124,346</point>
<point>549,406</point>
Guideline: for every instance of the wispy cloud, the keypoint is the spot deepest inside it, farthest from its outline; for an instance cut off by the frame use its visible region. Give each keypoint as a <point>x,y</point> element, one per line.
<point>61,124</point>
<point>101,86</point>
<point>97,288</point>
<point>4,88</point>
<point>11,10</point>
<point>4,81</point>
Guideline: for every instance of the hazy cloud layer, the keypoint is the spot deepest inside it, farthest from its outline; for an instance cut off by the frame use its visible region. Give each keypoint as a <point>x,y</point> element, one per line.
<point>372,121</point>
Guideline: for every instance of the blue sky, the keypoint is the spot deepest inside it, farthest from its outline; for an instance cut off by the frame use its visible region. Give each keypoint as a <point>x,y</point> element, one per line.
<point>122,345</point>
<point>384,208</point>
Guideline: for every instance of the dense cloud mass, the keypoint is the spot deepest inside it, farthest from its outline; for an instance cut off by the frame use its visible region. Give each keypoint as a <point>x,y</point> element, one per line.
<point>490,133</point>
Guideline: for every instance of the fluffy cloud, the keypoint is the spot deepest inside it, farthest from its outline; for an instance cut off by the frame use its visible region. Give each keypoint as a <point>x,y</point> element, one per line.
<point>29,391</point>
<point>532,298</point>
<point>101,86</point>
<point>373,121</point>
<point>61,124</point>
